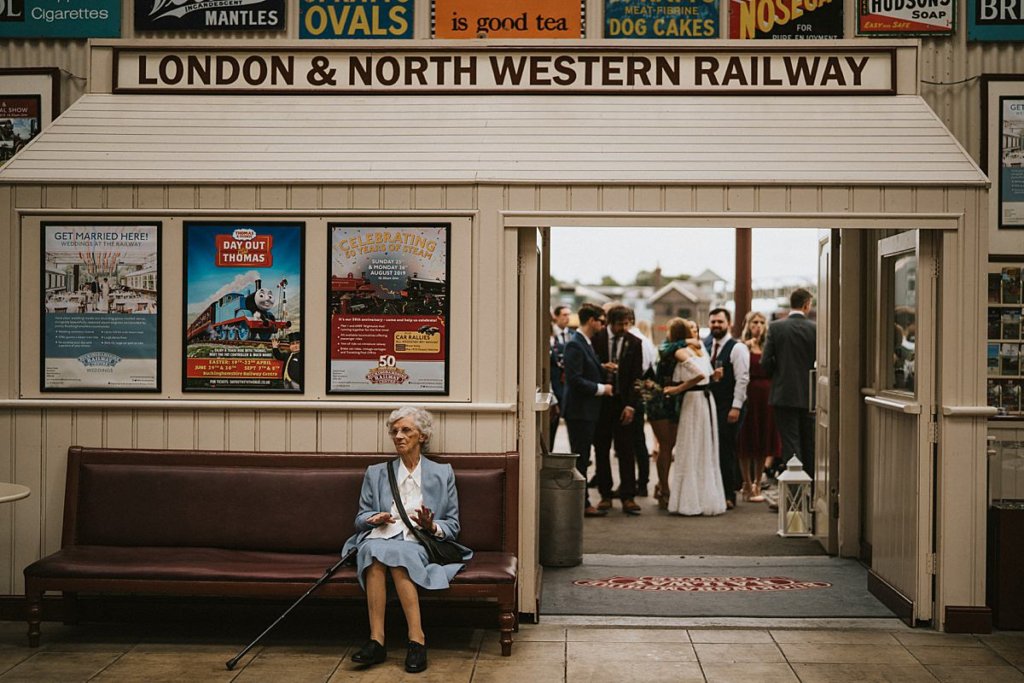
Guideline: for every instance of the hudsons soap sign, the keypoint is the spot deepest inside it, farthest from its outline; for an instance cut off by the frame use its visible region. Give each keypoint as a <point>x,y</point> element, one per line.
<point>858,70</point>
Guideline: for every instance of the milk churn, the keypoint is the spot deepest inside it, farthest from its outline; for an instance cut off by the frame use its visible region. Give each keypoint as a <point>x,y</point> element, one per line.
<point>562,491</point>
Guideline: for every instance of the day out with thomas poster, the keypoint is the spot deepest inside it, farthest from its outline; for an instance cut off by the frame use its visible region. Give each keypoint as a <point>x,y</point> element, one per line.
<point>388,307</point>
<point>243,307</point>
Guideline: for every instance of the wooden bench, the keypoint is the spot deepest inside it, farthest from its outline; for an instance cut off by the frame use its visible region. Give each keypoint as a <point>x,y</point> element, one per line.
<point>252,525</point>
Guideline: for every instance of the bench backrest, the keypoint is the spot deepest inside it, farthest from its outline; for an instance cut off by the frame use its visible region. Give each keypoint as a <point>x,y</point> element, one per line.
<point>291,502</point>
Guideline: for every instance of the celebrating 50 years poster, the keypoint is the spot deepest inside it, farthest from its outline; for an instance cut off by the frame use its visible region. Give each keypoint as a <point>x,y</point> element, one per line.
<point>243,306</point>
<point>388,301</point>
<point>100,297</point>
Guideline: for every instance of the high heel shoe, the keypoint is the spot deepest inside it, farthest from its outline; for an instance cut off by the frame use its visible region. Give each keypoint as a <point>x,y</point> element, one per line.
<point>745,492</point>
<point>755,494</point>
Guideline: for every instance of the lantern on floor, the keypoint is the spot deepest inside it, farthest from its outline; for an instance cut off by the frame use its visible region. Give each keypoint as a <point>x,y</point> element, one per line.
<point>794,500</point>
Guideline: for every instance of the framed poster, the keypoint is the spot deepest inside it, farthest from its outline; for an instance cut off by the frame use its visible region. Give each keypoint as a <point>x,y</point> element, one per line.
<point>243,303</point>
<point>550,19</point>
<point>388,305</point>
<point>661,19</point>
<point>391,20</point>
<point>209,15</point>
<point>1002,146</point>
<point>786,19</point>
<point>29,101</point>
<point>100,287</point>
<point>906,17</point>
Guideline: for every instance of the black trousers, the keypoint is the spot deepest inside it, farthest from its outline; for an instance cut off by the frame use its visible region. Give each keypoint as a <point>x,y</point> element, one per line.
<point>728,433</point>
<point>796,427</point>
<point>581,439</point>
<point>611,430</point>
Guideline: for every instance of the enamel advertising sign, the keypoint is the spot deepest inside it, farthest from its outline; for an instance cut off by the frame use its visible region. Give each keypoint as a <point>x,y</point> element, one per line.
<point>60,18</point>
<point>548,19</point>
<point>905,17</point>
<point>661,19</point>
<point>786,19</point>
<point>209,15</point>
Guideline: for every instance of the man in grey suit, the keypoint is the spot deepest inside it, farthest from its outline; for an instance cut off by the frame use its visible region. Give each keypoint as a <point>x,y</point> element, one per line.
<point>584,388</point>
<point>789,356</point>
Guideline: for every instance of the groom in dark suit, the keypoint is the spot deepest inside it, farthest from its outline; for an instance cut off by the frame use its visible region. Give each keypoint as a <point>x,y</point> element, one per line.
<point>584,387</point>
<point>789,356</point>
<point>621,356</point>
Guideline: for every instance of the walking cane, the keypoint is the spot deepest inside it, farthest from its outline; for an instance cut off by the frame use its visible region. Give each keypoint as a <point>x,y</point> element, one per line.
<point>319,582</point>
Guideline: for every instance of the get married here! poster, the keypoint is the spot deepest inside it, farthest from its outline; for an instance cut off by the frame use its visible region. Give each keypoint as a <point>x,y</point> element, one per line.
<point>243,306</point>
<point>388,301</point>
<point>100,300</point>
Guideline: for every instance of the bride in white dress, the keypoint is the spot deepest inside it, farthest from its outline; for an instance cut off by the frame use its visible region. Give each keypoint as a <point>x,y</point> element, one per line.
<point>696,478</point>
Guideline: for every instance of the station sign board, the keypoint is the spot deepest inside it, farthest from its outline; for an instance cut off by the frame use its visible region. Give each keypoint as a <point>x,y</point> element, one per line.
<point>854,70</point>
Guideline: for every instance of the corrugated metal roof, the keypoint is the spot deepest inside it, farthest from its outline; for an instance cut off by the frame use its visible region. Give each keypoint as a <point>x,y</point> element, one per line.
<point>586,139</point>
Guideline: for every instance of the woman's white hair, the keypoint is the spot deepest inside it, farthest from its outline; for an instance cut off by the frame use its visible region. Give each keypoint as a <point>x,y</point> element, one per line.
<point>423,420</point>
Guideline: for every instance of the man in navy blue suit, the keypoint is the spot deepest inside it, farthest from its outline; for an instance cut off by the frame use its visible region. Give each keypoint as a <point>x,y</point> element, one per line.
<point>560,334</point>
<point>583,391</point>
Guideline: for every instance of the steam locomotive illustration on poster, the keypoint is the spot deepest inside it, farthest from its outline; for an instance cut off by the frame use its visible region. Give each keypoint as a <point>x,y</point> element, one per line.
<point>353,295</point>
<point>242,316</point>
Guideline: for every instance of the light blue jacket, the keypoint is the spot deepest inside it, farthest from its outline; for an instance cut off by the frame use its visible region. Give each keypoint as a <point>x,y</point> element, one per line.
<point>437,483</point>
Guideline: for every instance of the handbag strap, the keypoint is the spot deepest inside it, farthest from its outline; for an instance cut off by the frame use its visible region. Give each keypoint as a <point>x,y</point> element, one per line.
<point>416,531</point>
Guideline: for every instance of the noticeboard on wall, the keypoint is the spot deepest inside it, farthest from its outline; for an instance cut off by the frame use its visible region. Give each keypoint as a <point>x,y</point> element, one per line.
<point>547,19</point>
<point>661,19</point>
<point>906,17</point>
<point>29,101</point>
<point>60,18</point>
<point>210,15</point>
<point>243,302</point>
<point>388,307</point>
<point>392,20</point>
<point>786,19</point>
<point>100,306</point>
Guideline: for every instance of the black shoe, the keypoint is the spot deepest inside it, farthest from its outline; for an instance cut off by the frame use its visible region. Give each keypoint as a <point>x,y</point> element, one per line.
<point>416,658</point>
<point>370,653</point>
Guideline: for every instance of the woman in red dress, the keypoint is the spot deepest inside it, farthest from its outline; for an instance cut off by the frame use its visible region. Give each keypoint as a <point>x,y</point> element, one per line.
<point>759,440</point>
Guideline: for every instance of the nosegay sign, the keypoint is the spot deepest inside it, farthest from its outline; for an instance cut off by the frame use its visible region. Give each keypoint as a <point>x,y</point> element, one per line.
<point>863,70</point>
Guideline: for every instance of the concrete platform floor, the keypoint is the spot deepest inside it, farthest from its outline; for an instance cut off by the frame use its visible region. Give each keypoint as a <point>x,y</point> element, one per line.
<point>570,651</point>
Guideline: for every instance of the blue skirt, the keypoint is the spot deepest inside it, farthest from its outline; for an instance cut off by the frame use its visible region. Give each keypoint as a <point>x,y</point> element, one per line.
<point>396,552</point>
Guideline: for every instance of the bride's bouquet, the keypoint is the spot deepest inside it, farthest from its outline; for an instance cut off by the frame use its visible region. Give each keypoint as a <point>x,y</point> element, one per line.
<point>648,389</point>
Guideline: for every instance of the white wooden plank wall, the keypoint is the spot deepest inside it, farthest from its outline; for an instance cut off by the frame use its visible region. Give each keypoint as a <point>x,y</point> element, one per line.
<point>892,448</point>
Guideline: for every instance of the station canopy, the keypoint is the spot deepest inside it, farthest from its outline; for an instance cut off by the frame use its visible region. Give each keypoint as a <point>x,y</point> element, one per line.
<point>560,138</point>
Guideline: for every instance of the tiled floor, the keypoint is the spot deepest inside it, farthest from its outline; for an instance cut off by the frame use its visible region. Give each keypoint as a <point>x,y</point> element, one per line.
<point>542,653</point>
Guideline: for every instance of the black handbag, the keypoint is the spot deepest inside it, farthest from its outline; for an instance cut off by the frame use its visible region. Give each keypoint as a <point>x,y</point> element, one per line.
<point>439,551</point>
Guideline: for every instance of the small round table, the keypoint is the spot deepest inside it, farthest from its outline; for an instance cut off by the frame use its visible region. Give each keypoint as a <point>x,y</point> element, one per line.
<point>12,492</point>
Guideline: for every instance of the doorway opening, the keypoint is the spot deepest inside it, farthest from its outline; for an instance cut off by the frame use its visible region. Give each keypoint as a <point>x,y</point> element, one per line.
<point>655,563</point>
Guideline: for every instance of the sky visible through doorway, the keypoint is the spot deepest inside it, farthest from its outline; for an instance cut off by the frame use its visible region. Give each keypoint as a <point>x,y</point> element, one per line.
<point>588,254</point>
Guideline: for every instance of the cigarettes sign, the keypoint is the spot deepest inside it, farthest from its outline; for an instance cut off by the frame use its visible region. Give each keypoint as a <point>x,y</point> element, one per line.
<point>860,70</point>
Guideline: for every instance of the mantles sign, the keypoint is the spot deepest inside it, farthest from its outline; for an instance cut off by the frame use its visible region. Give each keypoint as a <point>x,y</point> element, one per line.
<point>860,70</point>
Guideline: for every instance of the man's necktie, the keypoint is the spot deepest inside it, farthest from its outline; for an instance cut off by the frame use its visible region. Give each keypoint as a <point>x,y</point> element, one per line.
<point>714,353</point>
